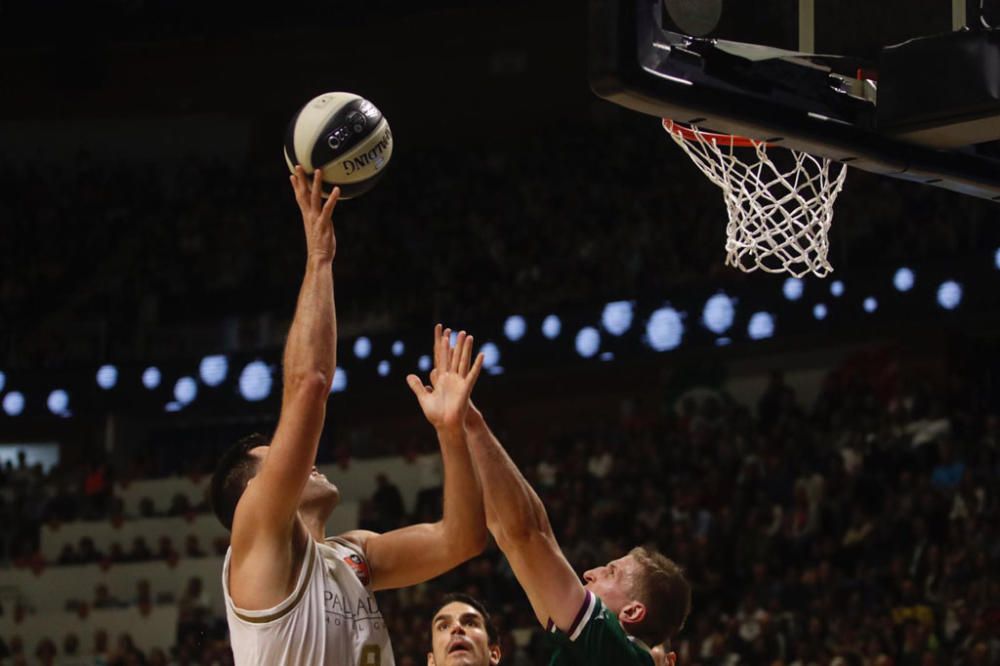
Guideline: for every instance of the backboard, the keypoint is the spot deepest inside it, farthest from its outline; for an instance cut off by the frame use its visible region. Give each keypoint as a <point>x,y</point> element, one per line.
<point>826,77</point>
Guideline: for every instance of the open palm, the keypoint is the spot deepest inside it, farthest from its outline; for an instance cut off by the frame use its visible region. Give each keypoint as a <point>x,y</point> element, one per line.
<point>446,400</point>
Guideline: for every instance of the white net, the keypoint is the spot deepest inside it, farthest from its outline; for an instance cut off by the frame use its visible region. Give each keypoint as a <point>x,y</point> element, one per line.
<point>779,217</point>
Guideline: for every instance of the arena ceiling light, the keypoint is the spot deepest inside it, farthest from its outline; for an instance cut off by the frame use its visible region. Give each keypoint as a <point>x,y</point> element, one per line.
<point>339,384</point>
<point>424,363</point>
<point>836,288</point>
<point>173,406</point>
<point>255,381</point>
<point>664,330</point>
<point>58,402</point>
<point>617,317</point>
<point>871,304</point>
<point>213,369</point>
<point>185,390</point>
<point>107,376</point>
<point>13,403</point>
<point>792,288</point>
<point>588,340</point>
<point>3,380</point>
<point>362,347</point>
<point>761,326</point>
<point>151,377</point>
<point>949,295</point>
<point>551,327</point>
<point>514,327</point>
<point>718,313</point>
<point>903,279</point>
<point>996,259</point>
<point>398,348</point>
<point>819,311</point>
<point>491,355</point>
<point>383,368</point>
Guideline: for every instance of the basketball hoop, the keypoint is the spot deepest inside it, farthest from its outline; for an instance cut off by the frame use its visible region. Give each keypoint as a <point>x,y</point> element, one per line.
<point>779,217</point>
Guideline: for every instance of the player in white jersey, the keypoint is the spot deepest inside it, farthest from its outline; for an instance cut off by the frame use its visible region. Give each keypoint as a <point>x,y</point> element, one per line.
<point>294,597</point>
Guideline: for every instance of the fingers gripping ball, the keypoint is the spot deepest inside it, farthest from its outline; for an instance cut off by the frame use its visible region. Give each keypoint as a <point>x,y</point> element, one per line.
<point>346,137</point>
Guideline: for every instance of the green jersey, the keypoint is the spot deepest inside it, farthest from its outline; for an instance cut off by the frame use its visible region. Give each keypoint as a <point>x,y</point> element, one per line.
<point>596,638</point>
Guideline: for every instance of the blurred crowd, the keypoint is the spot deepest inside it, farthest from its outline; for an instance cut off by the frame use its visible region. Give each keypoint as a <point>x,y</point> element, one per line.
<point>860,530</point>
<point>168,258</point>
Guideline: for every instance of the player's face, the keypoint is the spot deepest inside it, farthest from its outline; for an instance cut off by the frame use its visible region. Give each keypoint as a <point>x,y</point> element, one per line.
<point>613,582</point>
<point>459,637</point>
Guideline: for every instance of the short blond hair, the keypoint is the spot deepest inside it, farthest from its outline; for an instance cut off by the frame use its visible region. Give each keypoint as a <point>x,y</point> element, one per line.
<point>661,586</point>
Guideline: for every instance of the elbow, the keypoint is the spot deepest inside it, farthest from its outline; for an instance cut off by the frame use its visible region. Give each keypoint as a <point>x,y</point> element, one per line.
<point>516,534</point>
<point>309,385</point>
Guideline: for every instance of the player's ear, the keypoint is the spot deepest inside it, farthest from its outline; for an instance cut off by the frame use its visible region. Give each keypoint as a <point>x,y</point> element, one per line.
<point>494,654</point>
<point>632,613</point>
<point>430,659</point>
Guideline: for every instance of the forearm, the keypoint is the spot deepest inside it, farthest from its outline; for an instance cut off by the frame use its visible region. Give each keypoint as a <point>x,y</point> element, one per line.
<point>312,339</point>
<point>513,510</point>
<point>463,519</point>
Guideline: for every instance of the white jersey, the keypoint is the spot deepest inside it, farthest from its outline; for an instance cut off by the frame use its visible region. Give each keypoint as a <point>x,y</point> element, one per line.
<point>329,619</point>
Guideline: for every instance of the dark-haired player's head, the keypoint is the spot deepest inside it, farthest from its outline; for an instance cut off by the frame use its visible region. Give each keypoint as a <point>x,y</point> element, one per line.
<point>647,591</point>
<point>239,465</point>
<point>462,633</point>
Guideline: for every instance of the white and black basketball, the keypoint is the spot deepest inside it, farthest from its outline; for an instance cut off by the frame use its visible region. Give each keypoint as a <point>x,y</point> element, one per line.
<point>344,135</point>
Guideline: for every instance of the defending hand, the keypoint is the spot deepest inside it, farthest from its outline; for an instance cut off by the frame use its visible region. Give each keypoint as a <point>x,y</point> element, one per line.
<point>446,401</point>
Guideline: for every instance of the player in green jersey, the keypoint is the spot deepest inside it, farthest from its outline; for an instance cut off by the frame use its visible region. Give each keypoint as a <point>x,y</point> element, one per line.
<point>617,612</point>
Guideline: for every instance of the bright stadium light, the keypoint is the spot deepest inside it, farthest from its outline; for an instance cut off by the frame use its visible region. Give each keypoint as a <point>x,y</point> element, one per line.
<point>107,376</point>
<point>718,313</point>
<point>3,380</point>
<point>255,381</point>
<point>949,295</point>
<point>424,363</point>
<point>836,288</point>
<point>870,304</point>
<point>664,330</point>
<point>185,390</point>
<point>491,355</point>
<point>587,341</point>
<point>819,311</point>
<point>398,348</point>
<point>514,327</point>
<point>760,326</point>
<point>13,403</point>
<point>383,368</point>
<point>903,279</point>
<point>551,327</point>
<point>617,317</point>
<point>173,406</point>
<point>362,347</point>
<point>996,259</point>
<point>57,402</point>
<point>213,369</point>
<point>151,377</point>
<point>339,383</point>
<point>607,356</point>
<point>792,288</point>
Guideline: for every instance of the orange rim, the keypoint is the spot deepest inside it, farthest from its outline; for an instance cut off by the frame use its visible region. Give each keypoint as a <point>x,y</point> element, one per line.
<point>688,134</point>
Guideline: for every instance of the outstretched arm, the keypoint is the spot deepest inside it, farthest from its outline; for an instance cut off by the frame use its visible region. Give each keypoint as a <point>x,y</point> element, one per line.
<point>516,517</point>
<point>262,526</point>
<point>416,553</point>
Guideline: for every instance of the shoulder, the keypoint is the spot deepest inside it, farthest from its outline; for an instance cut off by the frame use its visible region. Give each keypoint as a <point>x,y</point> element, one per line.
<point>597,637</point>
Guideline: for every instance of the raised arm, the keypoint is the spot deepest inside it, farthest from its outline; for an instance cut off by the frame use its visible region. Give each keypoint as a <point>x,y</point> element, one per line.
<point>266,512</point>
<point>416,553</point>
<point>516,517</point>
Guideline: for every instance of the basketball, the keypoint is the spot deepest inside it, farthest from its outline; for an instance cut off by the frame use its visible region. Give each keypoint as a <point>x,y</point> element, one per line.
<point>346,137</point>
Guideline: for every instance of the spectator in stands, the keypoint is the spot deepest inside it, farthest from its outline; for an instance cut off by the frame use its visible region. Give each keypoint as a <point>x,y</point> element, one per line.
<point>88,553</point>
<point>387,503</point>
<point>140,551</point>
<point>179,505</point>
<point>103,598</point>
<point>192,548</point>
<point>46,652</point>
